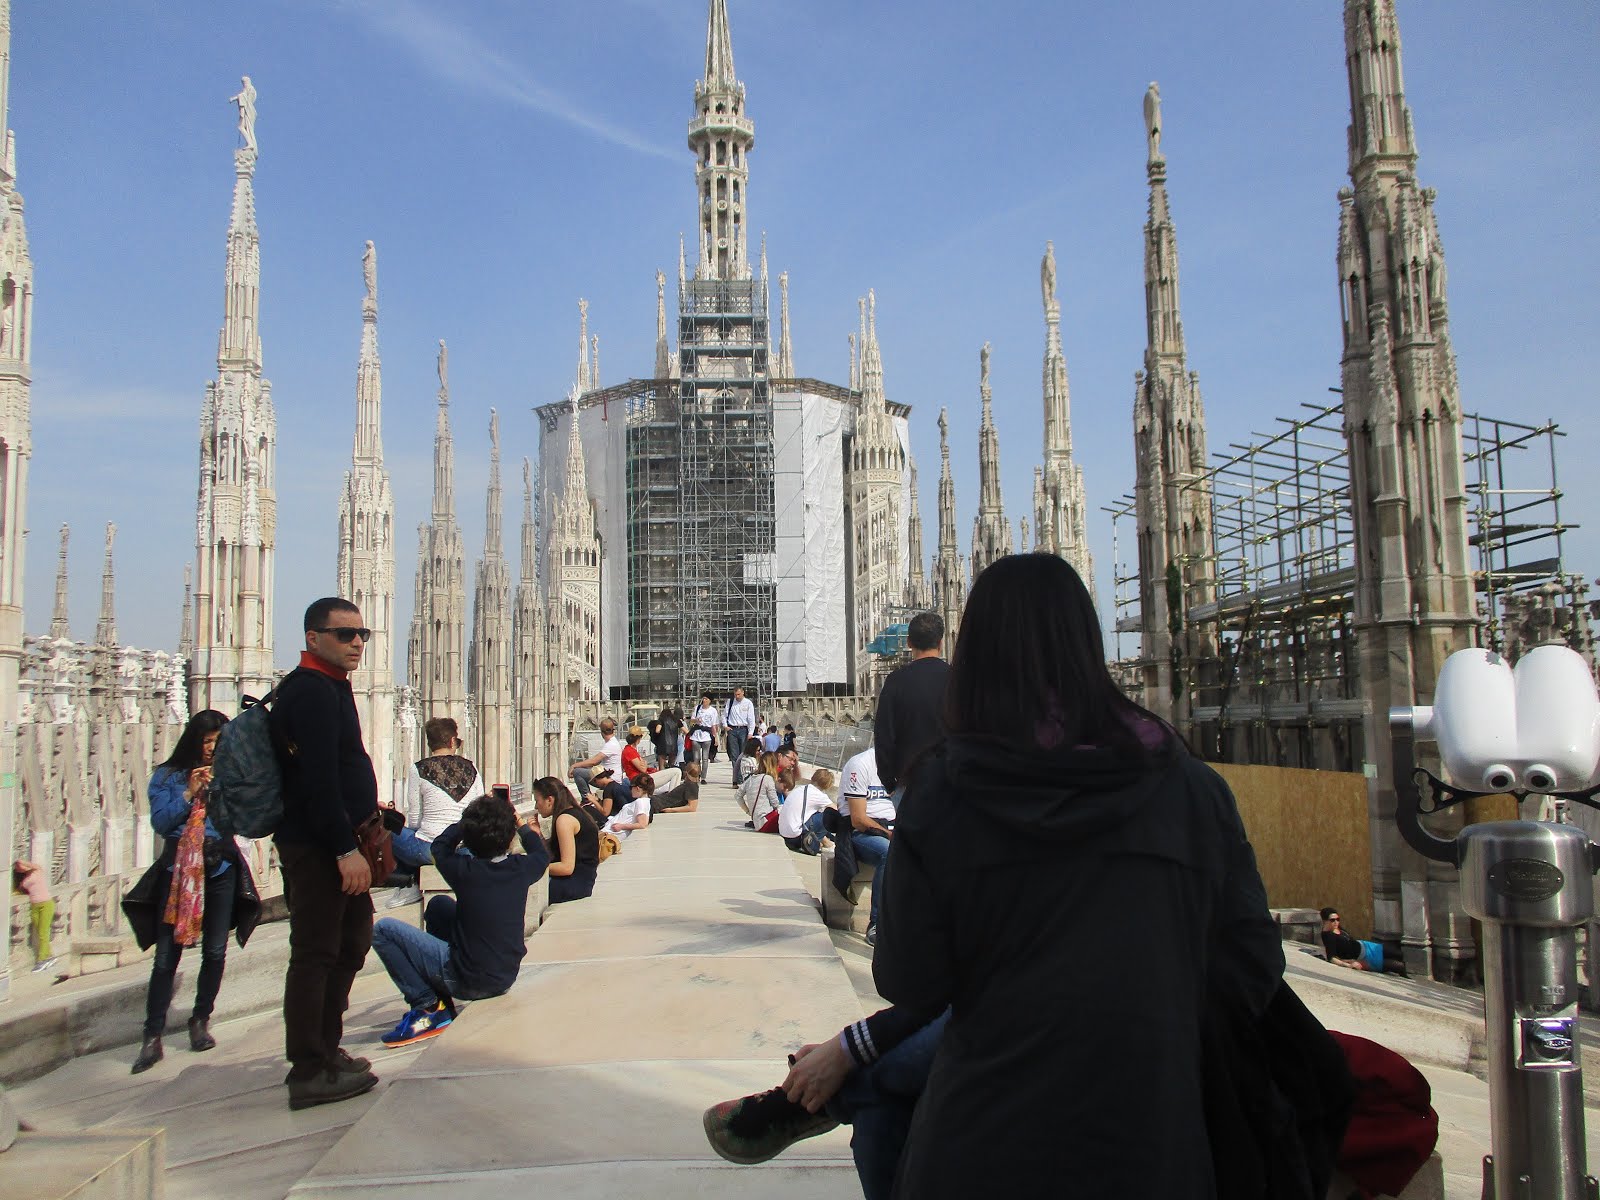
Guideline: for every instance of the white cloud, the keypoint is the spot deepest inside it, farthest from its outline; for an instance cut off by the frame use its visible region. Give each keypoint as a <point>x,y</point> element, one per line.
<point>454,55</point>
<point>64,396</point>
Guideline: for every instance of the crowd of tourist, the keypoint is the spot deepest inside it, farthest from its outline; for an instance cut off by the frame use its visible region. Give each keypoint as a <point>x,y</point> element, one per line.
<point>1026,822</point>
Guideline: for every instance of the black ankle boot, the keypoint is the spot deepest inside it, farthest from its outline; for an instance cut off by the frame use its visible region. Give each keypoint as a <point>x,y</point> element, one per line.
<point>200,1035</point>
<point>149,1055</point>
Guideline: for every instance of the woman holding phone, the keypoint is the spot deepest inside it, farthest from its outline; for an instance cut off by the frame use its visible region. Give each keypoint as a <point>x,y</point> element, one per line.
<point>189,895</point>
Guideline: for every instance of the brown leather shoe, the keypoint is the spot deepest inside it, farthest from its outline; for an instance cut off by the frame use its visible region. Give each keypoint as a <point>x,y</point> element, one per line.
<point>329,1087</point>
<point>200,1034</point>
<point>150,1054</point>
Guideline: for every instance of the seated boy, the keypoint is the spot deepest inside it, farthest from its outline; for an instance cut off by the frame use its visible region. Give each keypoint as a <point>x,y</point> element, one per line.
<point>685,798</point>
<point>474,942</point>
<point>635,814</point>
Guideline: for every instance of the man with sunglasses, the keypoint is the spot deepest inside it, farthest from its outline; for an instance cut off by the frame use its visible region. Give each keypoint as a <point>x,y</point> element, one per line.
<point>329,789</point>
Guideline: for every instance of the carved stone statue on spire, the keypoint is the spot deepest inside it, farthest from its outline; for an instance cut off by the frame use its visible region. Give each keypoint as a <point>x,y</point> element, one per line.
<point>369,271</point>
<point>1152,119</point>
<point>246,100</point>
<point>444,368</point>
<point>1047,274</point>
<point>944,426</point>
<point>983,358</point>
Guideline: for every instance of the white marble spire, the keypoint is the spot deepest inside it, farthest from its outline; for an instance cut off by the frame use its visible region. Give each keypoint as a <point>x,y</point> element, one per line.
<point>991,532</point>
<point>365,568</point>
<point>1060,518</point>
<point>785,345</point>
<point>721,137</point>
<point>236,522</point>
<point>663,348</point>
<point>105,630</point>
<point>949,573</point>
<point>876,476</point>
<point>437,656</point>
<point>574,575</point>
<point>583,346</point>
<point>1172,502</point>
<point>489,670</point>
<point>527,636</point>
<point>59,623</point>
<point>1414,595</point>
<point>917,594</point>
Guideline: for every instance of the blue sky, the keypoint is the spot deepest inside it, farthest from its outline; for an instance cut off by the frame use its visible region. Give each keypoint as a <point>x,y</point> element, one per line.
<point>508,158</point>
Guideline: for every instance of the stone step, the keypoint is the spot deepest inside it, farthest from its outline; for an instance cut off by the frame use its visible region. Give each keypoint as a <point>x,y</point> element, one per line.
<point>108,1164</point>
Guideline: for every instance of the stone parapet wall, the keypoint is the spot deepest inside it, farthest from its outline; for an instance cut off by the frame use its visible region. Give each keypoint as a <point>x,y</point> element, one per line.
<point>92,723</point>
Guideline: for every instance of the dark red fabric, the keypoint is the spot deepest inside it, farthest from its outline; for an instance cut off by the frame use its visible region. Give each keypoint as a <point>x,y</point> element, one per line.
<point>311,662</point>
<point>1393,1128</point>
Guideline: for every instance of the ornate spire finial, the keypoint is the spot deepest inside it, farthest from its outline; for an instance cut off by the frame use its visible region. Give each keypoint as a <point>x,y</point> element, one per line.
<point>583,345</point>
<point>58,619</point>
<point>369,273</point>
<point>443,367</point>
<point>105,633</point>
<point>444,453</point>
<point>1152,120</point>
<point>493,545</point>
<point>246,102</point>
<point>594,361</point>
<point>186,622</point>
<point>720,75</point>
<point>683,267</point>
<point>785,346</point>
<point>663,349</point>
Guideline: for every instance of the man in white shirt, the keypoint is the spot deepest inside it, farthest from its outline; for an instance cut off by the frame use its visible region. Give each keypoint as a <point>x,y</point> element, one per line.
<point>636,813</point>
<point>741,719</point>
<point>704,724</point>
<point>871,822</point>
<point>609,757</point>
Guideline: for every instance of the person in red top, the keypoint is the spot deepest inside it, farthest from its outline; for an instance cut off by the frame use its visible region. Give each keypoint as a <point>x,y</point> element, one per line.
<point>632,761</point>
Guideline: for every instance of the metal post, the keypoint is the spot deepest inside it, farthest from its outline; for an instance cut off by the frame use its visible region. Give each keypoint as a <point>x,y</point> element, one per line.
<point>1528,882</point>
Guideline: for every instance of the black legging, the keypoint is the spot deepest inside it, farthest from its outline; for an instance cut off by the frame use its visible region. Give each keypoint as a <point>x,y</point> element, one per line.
<point>577,886</point>
<point>214,927</point>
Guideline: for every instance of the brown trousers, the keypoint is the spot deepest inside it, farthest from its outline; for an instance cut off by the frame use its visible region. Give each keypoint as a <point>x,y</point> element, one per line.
<point>329,936</point>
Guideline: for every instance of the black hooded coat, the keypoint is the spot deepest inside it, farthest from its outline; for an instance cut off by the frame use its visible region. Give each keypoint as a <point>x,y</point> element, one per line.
<point>1081,911</point>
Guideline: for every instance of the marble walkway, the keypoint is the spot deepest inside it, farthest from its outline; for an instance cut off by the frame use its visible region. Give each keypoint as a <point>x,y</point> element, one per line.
<point>697,965</point>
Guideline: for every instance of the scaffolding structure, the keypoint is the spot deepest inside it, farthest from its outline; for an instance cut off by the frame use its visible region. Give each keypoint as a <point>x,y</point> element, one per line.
<point>1269,667</point>
<point>726,533</point>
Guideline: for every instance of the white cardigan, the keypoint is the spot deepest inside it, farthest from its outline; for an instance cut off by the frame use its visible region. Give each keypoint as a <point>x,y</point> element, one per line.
<point>429,808</point>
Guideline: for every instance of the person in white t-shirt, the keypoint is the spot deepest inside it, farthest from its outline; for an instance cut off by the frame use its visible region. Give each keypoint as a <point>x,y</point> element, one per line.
<point>636,813</point>
<point>609,757</point>
<point>871,822</point>
<point>800,818</point>
<point>704,723</point>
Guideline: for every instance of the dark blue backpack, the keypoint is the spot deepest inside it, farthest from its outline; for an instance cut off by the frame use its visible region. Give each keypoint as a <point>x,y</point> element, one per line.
<point>246,796</point>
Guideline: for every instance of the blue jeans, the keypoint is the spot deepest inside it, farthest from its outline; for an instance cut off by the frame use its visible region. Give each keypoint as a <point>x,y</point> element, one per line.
<point>736,739</point>
<point>418,961</point>
<point>872,848</point>
<point>411,849</point>
<point>877,1102</point>
<point>811,835</point>
<point>580,779</point>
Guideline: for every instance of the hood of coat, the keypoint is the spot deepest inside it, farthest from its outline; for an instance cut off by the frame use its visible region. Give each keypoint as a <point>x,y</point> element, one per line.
<point>1056,796</point>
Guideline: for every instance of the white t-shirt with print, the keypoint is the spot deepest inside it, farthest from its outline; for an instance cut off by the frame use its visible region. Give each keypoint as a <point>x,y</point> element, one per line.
<point>861,779</point>
<point>611,756</point>
<point>630,812</point>
<point>706,720</point>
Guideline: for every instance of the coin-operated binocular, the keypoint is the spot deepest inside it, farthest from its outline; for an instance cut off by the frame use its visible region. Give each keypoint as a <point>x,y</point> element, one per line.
<point>1534,730</point>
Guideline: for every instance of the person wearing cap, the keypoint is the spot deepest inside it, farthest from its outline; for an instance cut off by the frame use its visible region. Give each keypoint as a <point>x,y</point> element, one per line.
<point>608,795</point>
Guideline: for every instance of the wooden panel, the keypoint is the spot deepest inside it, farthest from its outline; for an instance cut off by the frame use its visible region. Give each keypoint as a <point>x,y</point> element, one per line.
<point>1309,830</point>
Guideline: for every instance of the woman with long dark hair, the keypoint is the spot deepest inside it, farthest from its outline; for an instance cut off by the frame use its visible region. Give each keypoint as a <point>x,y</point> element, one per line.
<point>1077,888</point>
<point>574,841</point>
<point>197,890</point>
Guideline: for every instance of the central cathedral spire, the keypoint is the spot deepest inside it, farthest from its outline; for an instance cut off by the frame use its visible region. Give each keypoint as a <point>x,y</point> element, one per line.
<point>721,137</point>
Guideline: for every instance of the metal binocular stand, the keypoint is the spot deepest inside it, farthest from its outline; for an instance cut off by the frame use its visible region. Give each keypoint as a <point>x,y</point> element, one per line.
<point>1529,883</point>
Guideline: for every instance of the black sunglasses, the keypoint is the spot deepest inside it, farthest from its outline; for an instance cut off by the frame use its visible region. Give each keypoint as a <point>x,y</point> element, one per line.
<point>346,633</point>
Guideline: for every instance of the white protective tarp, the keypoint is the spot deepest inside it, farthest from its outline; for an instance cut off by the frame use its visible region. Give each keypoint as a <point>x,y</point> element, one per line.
<point>789,565</point>
<point>824,421</point>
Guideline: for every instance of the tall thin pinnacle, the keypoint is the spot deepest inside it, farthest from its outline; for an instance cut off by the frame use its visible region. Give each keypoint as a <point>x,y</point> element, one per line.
<point>58,619</point>
<point>493,542</point>
<point>105,633</point>
<point>785,346</point>
<point>530,534</point>
<point>720,74</point>
<point>583,345</point>
<point>444,451</point>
